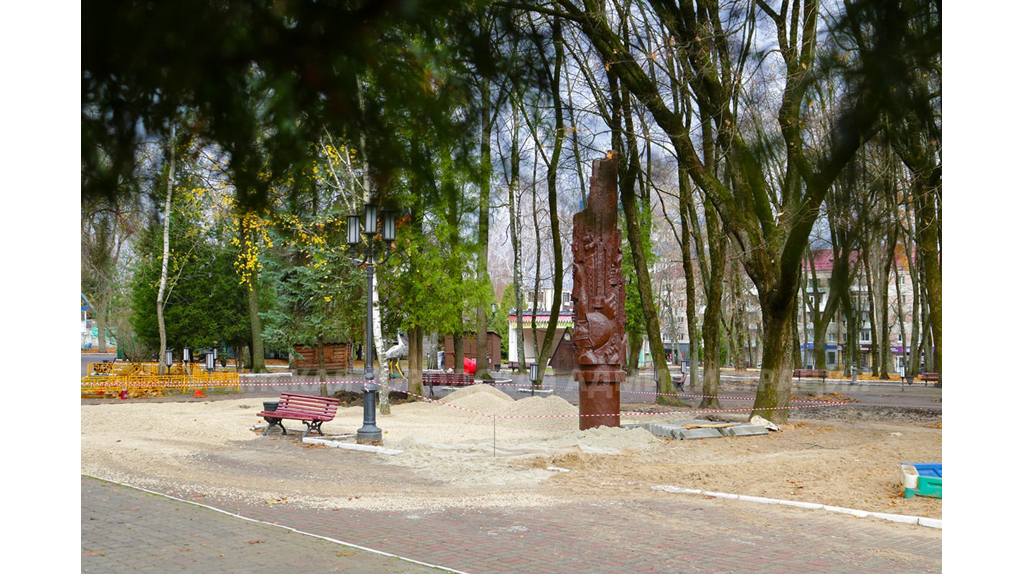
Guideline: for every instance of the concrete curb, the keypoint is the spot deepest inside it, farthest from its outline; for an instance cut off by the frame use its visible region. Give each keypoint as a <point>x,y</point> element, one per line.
<point>327,441</point>
<point>295,530</point>
<point>915,520</point>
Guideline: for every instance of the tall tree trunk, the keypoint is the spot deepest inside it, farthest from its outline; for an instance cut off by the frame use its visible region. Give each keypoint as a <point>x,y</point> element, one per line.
<point>321,368</point>
<point>713,313</point>
<point>869,280</point>
<point>917,319</point>
<point>635,344</point>
<point>685,198</point>
<point>101,324</point>
<point>483,230</point>
<point>627,179</point>
<point>536,270</point>
<point>459,352</point>
<point>416,361</point>
<point>774,385</point>
<point>515,232</point>
<point>163,264</point>
<point>552,184</point>
<point>928,195</point>
<point>739,317</point>
<point>256,327</point>
<point>378,342</point>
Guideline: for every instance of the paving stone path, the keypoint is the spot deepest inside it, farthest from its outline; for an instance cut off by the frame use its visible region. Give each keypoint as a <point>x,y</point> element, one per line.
<point>125,530</point>
<point>656,532</point>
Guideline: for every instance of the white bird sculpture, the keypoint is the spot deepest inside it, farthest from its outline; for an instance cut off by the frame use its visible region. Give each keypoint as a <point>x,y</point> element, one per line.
<point>399,351</point>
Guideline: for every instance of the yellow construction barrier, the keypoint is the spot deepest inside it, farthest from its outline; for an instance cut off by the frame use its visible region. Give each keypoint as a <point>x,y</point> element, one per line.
<point>144,385</point>
<point>124,368</point>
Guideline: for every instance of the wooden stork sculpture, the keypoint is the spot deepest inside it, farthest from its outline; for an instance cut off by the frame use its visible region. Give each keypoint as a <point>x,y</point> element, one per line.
<point>394,354</point>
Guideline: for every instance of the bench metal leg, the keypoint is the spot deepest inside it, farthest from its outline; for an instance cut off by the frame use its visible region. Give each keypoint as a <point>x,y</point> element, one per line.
<point>311,426</point>
<point>272,424</point>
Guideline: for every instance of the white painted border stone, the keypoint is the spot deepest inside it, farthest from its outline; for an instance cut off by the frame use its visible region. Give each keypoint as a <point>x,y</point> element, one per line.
<point>798,504</point>
<point>916,520</point>
<point>851,511</point>
<point>759,499</point>
<point>895,517</point>
<point>351,446</point>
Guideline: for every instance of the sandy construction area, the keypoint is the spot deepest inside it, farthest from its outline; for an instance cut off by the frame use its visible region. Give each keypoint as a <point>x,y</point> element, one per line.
<point>458,457</point>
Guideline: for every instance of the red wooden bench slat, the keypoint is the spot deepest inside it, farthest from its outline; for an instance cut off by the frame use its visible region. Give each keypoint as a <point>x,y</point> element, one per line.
<point>300,412</point>
<point>304,407</point>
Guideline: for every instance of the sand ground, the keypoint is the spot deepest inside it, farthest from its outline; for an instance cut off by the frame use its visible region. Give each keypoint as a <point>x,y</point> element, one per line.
<point>461,457</point>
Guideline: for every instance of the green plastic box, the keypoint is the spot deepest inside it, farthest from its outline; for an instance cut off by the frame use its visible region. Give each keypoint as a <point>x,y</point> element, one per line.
<point>922,479</point>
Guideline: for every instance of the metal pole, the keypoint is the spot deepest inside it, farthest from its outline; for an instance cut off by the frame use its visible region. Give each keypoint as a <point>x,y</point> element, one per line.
<point>369,433</point>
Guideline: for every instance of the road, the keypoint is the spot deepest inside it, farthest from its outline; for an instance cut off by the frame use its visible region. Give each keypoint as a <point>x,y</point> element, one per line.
<point>95,358</point>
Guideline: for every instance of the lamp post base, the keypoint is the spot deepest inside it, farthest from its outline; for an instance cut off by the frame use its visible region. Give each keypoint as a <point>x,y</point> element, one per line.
<point>369,438</point>
<point>369,433</point>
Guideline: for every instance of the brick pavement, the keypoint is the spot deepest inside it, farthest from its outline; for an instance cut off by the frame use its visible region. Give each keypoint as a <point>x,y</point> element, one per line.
<point>656,532</point>
<point>125,530</point>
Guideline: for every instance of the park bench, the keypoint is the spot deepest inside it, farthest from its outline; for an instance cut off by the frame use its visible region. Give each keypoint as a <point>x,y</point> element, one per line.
<point>929,377</point>
<point>679,382</point>
<point>442,378</point>
<point>313,411</point>
<point>810,374</point>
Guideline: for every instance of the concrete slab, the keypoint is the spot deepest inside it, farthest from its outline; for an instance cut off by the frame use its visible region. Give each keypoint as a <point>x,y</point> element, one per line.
<point>701,433</point>
<point>744,430</point>
<point>677,430</point>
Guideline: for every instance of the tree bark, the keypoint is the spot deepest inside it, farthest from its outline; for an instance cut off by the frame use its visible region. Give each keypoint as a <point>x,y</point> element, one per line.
<point>161,368</point>
<point>257,358</point>
<point>321,369</point>
<point>774,385</point>
<point>713,313</point>
<point>483,230</point>
<point>552,184</point>
<point>416,361</point>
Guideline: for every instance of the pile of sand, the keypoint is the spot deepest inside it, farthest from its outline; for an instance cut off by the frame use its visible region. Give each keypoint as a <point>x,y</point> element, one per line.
<point>483,399</point>
<point>490,445</point>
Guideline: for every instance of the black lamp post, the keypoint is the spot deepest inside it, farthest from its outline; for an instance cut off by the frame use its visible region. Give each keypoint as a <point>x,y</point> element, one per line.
<point>533,377</point>
<point>369,433</point>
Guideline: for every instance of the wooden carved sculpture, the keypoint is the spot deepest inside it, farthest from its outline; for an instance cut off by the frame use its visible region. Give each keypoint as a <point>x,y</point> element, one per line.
<point>599,295</point>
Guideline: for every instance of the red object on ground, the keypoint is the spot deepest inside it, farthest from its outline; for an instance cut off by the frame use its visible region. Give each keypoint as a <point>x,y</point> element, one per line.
<point>124,394</point>
<point>469,365</point>
<point>199,393</point>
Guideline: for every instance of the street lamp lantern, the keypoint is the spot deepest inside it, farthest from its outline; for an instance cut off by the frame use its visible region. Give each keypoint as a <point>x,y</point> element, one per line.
<point>533,372</point>
<point>353,230</point>
<point>370,221</point>
<point>186,355</point>
<point>494,309</point>
<point>211,359</point>
<point>389,226</point>
<point>169,357</point>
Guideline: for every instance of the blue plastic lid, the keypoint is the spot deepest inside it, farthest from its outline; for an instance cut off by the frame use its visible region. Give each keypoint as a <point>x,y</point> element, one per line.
<point>933,469</point>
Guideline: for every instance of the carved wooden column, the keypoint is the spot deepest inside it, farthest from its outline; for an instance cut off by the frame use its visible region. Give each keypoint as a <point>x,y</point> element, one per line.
<point>599,297</point>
